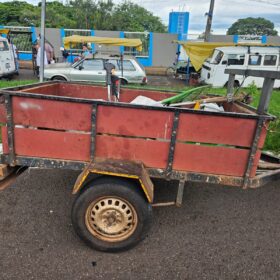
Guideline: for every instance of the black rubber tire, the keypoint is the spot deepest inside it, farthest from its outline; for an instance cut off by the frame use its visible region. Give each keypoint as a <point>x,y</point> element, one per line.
<point>58,78</point>
<point>118,188</point>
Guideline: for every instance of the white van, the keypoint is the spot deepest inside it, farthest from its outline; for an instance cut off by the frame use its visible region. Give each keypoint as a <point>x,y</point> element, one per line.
<point>7,60</point>
<point>241,57</point>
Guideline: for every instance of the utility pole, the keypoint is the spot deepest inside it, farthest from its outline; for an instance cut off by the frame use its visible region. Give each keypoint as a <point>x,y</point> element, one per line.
<point>209,21</point>
<point>42,40</point>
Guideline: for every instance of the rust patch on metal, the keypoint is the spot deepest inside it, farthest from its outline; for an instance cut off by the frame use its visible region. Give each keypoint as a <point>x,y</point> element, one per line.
<point>10,174</point>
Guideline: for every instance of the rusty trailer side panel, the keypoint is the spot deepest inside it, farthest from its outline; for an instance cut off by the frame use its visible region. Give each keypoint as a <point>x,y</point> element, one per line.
<point>57,121</point>
<point>42,113</point>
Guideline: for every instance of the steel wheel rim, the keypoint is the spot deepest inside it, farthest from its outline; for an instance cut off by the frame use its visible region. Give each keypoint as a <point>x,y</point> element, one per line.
<point>111,219</point>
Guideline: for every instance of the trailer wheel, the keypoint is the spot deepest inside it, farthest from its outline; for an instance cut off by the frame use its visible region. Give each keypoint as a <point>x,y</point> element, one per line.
<point>58,78</point>
<point>123,82</point>
<point>111,215</point>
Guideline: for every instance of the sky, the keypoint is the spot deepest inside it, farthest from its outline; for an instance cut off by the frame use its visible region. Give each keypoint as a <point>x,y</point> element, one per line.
<point>226,12</point>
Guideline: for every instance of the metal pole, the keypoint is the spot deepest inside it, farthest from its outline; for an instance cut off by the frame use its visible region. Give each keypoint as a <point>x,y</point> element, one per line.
<point>42,40</point>
<point>122,63</point>
<point>209,21</point>
<point>13,51</point>
<point>188,72</point>
<point>266,95</point>
<point>109,92</point>
<point>230,87</point>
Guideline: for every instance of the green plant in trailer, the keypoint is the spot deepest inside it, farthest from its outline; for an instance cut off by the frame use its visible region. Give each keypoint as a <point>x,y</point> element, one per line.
<point>182,96</point>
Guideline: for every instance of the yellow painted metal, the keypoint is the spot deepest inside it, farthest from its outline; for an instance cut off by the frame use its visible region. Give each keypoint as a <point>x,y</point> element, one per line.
<point>75,39</point>
<point>196,106</point>
<point>81,179</point>
<point>4,31</point>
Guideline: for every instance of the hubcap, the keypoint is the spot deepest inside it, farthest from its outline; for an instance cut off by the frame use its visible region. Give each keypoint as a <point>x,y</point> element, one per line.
<point>111,219</point>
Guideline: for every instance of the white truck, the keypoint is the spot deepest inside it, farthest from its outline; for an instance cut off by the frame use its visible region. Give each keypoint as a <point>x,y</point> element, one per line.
<point>7,59</point>
<point>241,57</point>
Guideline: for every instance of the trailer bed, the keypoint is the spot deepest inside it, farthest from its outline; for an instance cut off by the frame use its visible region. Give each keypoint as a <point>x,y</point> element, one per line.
<point>70,124</point>
<point>120,147</point>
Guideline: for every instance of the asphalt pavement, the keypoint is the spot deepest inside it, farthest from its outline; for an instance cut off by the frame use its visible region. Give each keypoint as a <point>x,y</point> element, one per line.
<point>218,233</point>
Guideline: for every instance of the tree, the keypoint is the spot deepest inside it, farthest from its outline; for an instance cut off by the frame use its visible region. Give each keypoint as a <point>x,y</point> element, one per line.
<point>132,17</point>
<point>252,26</point>
<point>82,14</point>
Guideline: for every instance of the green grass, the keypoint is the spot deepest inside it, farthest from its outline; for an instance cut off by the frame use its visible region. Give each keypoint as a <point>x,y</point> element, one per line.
<point>272,142</point>
<point>14,83</point>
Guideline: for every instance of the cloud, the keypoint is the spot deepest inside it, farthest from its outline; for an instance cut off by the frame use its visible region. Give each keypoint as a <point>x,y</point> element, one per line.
<point>226,12</point>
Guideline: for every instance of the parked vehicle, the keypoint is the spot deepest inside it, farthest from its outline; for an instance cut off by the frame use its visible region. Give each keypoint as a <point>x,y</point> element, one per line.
<point>7,60</point>
<point>92,70</point>
<point>241,57</point>
<point>120,147</point>
<point>179,70</point>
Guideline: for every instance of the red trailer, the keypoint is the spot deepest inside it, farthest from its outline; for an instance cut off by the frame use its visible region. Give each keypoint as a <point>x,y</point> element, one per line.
<point>120,147</point>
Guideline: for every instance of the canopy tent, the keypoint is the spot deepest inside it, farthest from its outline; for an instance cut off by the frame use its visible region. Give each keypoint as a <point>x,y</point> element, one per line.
<point>4,31</point>
<point>199,51</point>
<point>74,39</point>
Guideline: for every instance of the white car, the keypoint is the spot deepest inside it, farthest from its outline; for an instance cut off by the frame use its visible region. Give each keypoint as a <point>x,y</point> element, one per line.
<point>92,70</point>
<point>7,60</point>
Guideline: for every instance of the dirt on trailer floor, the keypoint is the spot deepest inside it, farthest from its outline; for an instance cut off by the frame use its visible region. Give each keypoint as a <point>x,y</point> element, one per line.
<point>219,233</point>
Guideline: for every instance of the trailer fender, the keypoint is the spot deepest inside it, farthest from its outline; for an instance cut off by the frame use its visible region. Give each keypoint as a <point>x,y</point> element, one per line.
<point>118,168</point>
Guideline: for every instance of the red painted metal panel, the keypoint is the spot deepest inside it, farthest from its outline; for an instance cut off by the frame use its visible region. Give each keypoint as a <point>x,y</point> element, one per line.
<point>216,129</point>
<point>51,114</point>
<point>83,91</point>
<point>151,153</point>
<point>100,92</point>
<point>52,89</point>
<point>3,114</point>
<point>52,144</point>
<point>94,92</point>
<point>210,159</point>
<point>134,122</point>
<point>4,135</point>
<point>70,90</point>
